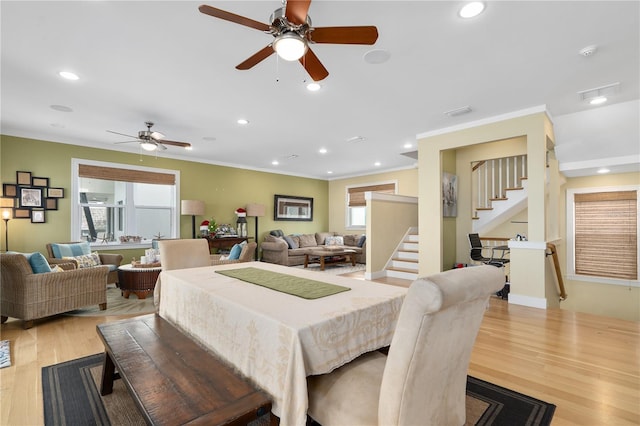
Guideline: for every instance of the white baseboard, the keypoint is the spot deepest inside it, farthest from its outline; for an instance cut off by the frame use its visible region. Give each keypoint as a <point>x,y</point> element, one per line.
<point>533,302</point>
<point>373,275</point>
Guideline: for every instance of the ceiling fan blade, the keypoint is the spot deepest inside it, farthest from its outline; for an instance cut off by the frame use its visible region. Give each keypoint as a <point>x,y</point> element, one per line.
<point>174,143</point>
<point>116,143</point>
<point>296,11</point>
<point>314,67</point>
<point>256,58</point>
<point>232,17</point>
<point>344,35</point>
<point>122,134</point>
<point>160,146</point>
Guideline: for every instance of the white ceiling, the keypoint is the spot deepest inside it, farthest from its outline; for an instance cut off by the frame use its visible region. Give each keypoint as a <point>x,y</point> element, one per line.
<point>164,61</point>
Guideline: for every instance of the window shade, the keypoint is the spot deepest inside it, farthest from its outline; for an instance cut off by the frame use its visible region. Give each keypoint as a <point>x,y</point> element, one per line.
<point>356,194</point>
<point>125,175</point>
<point>606,234</point>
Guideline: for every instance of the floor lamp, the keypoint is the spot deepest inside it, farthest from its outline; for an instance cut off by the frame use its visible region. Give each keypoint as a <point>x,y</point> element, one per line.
<point>192,208</point>
<point>256,210</point>
<point>6,216</point>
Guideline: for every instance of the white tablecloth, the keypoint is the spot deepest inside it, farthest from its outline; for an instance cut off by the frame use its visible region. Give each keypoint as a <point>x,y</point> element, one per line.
<point>277,339</point>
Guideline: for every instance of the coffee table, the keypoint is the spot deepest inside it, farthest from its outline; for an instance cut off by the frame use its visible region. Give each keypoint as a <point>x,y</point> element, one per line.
<point>326,256</point>
<point>139,281</point>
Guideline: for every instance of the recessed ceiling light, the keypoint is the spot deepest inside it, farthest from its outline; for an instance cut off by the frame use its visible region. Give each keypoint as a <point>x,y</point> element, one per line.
<point>243,121</point>
<point>313,87</point>
<point>471,9</point>
<point>458,111</point>
<point>275,162</point>
<point>598,100</point>
<point>588,51</point>
<point>377,163</point>
<point>322,150</point>
<point>377,56</point>
<point>356,139</point>
<point>329,172</point>
<point>408,145</point>
<point>603,170</point>
<point>61,108</point>
<point>68,75</point>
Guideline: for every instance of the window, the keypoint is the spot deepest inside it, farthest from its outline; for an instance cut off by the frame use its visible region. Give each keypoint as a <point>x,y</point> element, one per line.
<point>356,203</point>
<point>120,204</point>
<point>603,226</point>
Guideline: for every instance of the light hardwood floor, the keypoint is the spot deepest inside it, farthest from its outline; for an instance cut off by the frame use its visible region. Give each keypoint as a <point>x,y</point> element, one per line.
<point>588,366</point>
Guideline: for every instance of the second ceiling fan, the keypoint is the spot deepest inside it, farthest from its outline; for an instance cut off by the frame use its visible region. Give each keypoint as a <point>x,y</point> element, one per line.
<point>292,31</point>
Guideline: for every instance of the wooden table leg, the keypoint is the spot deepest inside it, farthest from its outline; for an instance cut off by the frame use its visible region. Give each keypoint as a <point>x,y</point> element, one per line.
<point>322,263</point>
<point>108,368</point>
<point>353,259</point>
<point>306,260</point>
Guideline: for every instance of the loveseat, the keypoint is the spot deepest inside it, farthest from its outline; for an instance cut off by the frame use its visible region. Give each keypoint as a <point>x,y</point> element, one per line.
<point>289,250</point>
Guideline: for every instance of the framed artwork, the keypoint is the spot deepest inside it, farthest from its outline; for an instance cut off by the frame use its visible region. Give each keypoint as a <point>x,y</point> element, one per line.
<point>51,204</point>
<point>289,207</point>
<point>9,190</point>
<point>55,192</point>
<point>21,213</point>
<point>41,182</point>
<point>23,178</point>
<point>37,216</point>
<point>30,197</point>
<point>449,195</point>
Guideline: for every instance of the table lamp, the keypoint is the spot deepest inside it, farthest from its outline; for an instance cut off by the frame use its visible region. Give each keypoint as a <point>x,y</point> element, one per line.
<point>256,210</point>
<point>192,208</point>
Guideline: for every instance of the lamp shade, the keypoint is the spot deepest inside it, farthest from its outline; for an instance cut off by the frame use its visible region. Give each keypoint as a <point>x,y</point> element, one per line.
<point>192,207</point>
<point>256,210</point>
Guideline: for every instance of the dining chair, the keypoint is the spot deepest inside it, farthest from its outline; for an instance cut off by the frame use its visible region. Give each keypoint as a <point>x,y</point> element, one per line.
<point>183,254</point>
<point>475,252</point>
<point>422,380</point>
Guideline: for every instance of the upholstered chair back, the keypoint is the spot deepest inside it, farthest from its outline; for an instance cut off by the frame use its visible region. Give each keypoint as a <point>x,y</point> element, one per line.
<point>184,254</point>
<point>425,374</point>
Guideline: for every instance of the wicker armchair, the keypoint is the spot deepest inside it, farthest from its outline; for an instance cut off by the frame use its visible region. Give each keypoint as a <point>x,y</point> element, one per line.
<point>30,296</point>
<point>109,259</point>
<point>245,256</point>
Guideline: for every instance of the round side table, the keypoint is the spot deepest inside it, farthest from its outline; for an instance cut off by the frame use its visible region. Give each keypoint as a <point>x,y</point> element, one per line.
<point>140,281</point>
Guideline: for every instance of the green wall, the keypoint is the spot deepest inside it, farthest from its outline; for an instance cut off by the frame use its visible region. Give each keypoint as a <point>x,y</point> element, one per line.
<point>223,189</point>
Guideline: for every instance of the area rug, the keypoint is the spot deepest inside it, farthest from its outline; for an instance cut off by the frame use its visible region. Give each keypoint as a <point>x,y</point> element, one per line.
<point>5,354</point>
<point>118,305</point>
<point>71,396</point>
<point>335,268</point>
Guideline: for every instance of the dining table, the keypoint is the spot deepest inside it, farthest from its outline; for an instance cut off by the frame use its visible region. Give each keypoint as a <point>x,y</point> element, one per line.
<point>276,339</point>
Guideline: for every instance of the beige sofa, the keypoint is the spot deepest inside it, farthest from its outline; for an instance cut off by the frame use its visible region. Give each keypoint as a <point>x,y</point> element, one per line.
<point>289,250</point>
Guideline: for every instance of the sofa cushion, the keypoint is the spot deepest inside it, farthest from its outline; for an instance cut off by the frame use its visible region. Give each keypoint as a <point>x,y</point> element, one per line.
<point>308,240</point>
<point>321,237</point>
<point>298,252</point>
<point>334,241</point>
<point>70,250</point>
<point>293,244</point>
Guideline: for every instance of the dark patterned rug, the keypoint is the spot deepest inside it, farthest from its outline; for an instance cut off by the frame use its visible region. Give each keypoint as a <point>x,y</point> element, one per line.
<point>71,397</point>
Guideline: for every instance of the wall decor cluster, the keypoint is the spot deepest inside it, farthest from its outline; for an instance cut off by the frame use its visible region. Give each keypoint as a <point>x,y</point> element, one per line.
<point>31,196</point>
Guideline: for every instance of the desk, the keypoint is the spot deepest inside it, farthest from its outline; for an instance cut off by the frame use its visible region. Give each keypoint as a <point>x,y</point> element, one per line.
<point>274,338</point>
<point>224,243</point>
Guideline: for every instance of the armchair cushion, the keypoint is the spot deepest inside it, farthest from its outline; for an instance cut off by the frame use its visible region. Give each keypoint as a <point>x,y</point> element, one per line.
<point>86,260</point>
<point>39,263</point>
<point>70,250</point>
<point>234,253</point>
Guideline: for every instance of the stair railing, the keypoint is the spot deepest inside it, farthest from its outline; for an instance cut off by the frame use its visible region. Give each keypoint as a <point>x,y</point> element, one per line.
<point>492,178</point>
<point>556,265</point>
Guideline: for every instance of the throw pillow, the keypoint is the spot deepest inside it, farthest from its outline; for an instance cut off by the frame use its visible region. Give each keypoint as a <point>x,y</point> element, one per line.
<point>292,244</point>
<point>234,254</point>
<point>38,263</point>
<point>362,241</point>
<point>308,240</point>
<point>277,233</point>
<point>56,268</point>
<point>86,260</point>
<point>70,250</point>
<point>334,241</point>
<point>321,237</point>
<point>351,240</point>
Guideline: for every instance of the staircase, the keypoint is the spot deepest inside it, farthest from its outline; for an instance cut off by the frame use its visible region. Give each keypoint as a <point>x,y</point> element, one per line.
<point>404,261</point>
<point>499,191</point>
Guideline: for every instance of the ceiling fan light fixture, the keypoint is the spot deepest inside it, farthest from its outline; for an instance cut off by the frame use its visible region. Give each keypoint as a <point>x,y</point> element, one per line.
<point>157,135</point>
<point>148,146</point>
<point>471,9</point>
<point>290,46</point>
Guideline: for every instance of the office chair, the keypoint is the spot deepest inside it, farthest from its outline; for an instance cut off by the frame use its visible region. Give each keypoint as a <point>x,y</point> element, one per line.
<point>476,255</point>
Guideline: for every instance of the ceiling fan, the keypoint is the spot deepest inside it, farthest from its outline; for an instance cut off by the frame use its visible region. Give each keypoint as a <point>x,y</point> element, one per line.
<point>292,31</point>
<point>151,141</point>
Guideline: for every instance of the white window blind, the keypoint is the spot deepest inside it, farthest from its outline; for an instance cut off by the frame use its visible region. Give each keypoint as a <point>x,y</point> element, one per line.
<point>606,234</point>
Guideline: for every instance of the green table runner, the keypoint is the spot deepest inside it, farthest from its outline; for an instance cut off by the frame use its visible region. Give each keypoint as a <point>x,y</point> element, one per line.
<point>290,284</point>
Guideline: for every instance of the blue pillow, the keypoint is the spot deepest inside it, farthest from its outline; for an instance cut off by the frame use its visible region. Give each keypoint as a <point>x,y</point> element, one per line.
<point>234,254</point>
<point>292,244</point>
<point>362,240</point>
<point>39,263</point>
<point>70,250</point>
